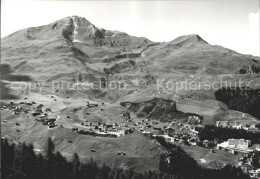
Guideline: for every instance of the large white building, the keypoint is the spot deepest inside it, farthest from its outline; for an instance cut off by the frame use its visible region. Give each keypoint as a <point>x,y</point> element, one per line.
<point>229,124</point>
<point>240,145</point>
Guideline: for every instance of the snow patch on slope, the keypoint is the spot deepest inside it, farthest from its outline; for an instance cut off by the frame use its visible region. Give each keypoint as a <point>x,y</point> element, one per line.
<point>75,33</point>
<point>82,29</point>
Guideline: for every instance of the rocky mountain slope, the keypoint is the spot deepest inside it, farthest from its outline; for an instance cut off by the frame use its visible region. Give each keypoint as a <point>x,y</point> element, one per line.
<point>159,109</point>
<point>73,44</point>
<point>53,51</point>
<point>192,54</point>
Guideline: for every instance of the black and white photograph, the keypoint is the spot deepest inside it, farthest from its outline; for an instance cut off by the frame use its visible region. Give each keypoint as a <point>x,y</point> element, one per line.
<point>130,89</point>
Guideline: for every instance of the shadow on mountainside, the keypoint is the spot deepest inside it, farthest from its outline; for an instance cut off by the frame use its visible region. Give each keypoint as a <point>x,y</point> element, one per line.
<point>6,92</point>
<point>241,99</point>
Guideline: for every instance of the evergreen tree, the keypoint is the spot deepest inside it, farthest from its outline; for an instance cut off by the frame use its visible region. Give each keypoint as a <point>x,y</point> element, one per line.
<point>80,78</point>
<point>76,166</point>
<point>49,150</point>
<point>24,161</point>
<point>7,158</point>
<point>40,166</point>
<point>61,167</point>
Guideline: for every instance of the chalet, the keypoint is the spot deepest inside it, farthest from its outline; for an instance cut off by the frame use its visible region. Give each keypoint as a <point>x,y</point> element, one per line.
<point>194,119</point>
<point>51,120</point>
<point>240,163</point>
<point>232,151</point>
<point>75,130</point>
<point>115,124</point>
<point>109,125</point>
<point>120,131</point>
<point>245,128</point>
<point>42,116</point>
<point>192,141</point>
<point>146,132</point>
<point>51,124</point>
<point>154,123</point>
<point>206,143</point>
<point>26,111</point>
<point>47,110</point>
<point>121,153</point>
<point>92,105</point>
<point>253,128</point>
<point>44,122</point>
<point>39,108</point>
<point>156,132</point>
<point>157,128</point>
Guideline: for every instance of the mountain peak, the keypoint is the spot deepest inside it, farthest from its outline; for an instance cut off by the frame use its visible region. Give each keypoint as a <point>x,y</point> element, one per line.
<point>78,29</point>
<point>83,29</point>
<point>195,37</point>
<point>187,40</point>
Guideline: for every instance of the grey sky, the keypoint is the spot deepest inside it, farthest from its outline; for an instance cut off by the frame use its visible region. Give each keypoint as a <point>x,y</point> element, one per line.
<point>230,23</point>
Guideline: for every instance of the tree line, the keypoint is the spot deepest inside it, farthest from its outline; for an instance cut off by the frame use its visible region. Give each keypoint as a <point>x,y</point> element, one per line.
<point>19,161</point>
<point>241,99</point>
<point>211,132</point>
